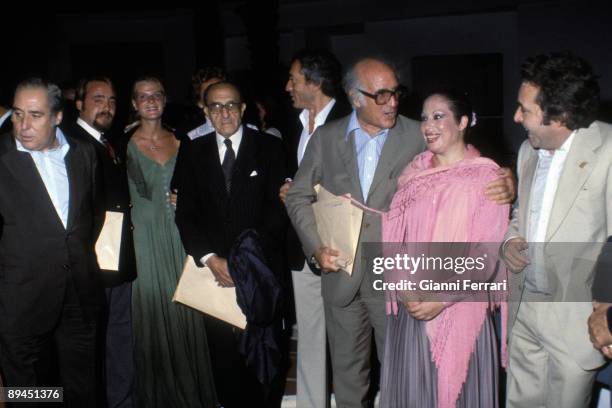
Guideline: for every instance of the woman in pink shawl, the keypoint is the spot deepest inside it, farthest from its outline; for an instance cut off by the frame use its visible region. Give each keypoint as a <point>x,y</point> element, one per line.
<point>442,354</point>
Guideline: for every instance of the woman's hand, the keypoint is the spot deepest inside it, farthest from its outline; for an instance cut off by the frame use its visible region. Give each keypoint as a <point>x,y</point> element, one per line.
<point>424,310</point>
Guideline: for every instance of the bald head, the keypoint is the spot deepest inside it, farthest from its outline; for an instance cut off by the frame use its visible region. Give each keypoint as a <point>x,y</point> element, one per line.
<point>225,87</point>
<point>372,88</point>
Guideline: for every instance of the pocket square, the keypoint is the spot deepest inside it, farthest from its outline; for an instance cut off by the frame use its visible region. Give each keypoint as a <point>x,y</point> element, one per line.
<point>253,173</point>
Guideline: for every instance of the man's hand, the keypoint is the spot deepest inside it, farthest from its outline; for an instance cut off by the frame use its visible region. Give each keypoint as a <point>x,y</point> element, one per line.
<point>598,328</point>
<point>503,189</point>
<point>424,310</point>
<point>218,266</point>
<point>173,197</point>
<point>513,256</point>
<point>326,258</point>
<point>282,193</point>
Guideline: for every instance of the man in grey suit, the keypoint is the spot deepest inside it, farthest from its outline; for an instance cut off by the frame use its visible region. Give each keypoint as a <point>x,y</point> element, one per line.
<point>565,192</point>
<point>361,154</point>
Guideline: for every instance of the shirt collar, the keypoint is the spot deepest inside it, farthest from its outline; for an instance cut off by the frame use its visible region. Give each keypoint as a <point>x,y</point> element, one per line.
<point>563,149</point>
<point>319,117</point>
<point>61,139</point>
<point>354,125</point>
<point>90,129</point>
<point>236,138</point>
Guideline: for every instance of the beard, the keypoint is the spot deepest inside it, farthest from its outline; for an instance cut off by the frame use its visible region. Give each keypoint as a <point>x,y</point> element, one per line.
<point>103,122</point>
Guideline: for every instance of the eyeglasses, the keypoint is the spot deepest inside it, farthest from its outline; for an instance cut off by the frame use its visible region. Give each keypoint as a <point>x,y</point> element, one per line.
<point>230,107</point>
<point>383,96</point>
<point>156,96</point>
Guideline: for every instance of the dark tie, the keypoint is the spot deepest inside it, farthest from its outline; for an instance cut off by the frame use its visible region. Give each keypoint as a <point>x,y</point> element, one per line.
<point>109,148</point>
<point>228,164</point>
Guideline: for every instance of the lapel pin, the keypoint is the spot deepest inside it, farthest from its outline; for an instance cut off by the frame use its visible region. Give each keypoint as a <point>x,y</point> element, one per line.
<point>582,164</point>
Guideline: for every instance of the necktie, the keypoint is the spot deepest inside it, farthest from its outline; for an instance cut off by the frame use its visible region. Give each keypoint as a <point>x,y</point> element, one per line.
<point>228,164</point>
<point>109,148</point>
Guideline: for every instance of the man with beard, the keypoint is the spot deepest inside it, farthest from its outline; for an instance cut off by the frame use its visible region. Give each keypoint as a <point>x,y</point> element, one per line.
<point>96,102</point>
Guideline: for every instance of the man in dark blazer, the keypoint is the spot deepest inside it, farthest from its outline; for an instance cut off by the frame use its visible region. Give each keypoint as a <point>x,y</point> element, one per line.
<point>49,290</point>
<point>234,177</point>
<point>96,103</point>
<point>314,86</point>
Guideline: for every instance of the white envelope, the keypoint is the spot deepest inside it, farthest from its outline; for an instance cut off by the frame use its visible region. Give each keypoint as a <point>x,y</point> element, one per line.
<point>108,245</point>
<point>197,289</point>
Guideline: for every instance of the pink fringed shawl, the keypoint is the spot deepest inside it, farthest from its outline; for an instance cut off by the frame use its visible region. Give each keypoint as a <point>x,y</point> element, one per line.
<point>447,204</point>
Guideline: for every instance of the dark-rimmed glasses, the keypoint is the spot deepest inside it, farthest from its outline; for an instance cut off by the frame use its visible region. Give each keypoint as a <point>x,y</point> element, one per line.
<point>230,107</point>
<point>383,96</point>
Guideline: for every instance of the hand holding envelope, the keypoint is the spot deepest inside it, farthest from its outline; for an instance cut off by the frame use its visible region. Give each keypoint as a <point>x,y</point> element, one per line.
<point>198,289</point>
<point>339,225</point>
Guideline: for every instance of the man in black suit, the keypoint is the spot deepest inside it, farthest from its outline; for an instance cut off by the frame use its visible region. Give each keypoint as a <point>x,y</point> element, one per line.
<point>235,173</point>
<point>49,290</point>
<point>314,86</point>
<point>96,103</point>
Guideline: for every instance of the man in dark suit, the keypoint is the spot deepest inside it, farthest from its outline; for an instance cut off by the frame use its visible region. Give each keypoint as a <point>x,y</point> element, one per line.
<point>235,173</point>
<point>96,103</point>
<point>314,86</point>
<point>49,290</point>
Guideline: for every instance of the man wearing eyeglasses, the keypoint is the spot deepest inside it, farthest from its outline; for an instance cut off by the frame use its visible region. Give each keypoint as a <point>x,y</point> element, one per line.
<point>361,154</point>
<point>235,173</point>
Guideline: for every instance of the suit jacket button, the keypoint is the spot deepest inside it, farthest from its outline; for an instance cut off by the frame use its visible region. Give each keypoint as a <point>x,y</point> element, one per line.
<point>118,207</point>
<point>366,225</point>
<point>67,267</point>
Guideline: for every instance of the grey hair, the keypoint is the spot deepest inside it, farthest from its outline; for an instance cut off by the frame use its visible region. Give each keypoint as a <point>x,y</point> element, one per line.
<point>54,93</point>
<point>351,83</point>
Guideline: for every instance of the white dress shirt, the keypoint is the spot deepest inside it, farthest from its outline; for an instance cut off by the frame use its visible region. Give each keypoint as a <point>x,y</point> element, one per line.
<point>543,191</point>
<point>6,115</point>
<point>96,134</point>
<point>52,169</point>
<point>236,139</point>
<point>319,120</point>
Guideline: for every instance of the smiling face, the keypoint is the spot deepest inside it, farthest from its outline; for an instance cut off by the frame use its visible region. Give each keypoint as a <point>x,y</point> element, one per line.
<point>374,76</point>
<point>529,114</point>
<point>33,122</point>
<point>98,106</point>
<point>302,91</point>
<point>149,99</point>
<point>443,132</point>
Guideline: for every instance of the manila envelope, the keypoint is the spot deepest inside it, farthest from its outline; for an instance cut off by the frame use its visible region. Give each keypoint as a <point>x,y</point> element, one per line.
<point>339,225</point>
<point>197,289</point>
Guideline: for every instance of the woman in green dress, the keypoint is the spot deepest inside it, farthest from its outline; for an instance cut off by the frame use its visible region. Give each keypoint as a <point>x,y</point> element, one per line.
<point>171,350</point>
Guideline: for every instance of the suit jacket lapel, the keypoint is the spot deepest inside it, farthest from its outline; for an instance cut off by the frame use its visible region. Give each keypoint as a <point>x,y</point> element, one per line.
<point>348,155</point>
<point>75,170</point>
<point>22,167</point>
<point>245,161</point>
<point>388,157</point>
<point>212,164</point>
<point>527,174</point>
<point>578,166</point>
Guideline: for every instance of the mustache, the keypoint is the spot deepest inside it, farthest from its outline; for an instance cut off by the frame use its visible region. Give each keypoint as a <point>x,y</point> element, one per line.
<point>107,114</point>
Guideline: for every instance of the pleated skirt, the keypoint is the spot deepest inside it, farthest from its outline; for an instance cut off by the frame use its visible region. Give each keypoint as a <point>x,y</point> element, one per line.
<point>409,378</point>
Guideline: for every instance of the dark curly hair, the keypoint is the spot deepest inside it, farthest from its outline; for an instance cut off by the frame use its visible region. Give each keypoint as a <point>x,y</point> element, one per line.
<point>320,67</point>
<point>568,88</point>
